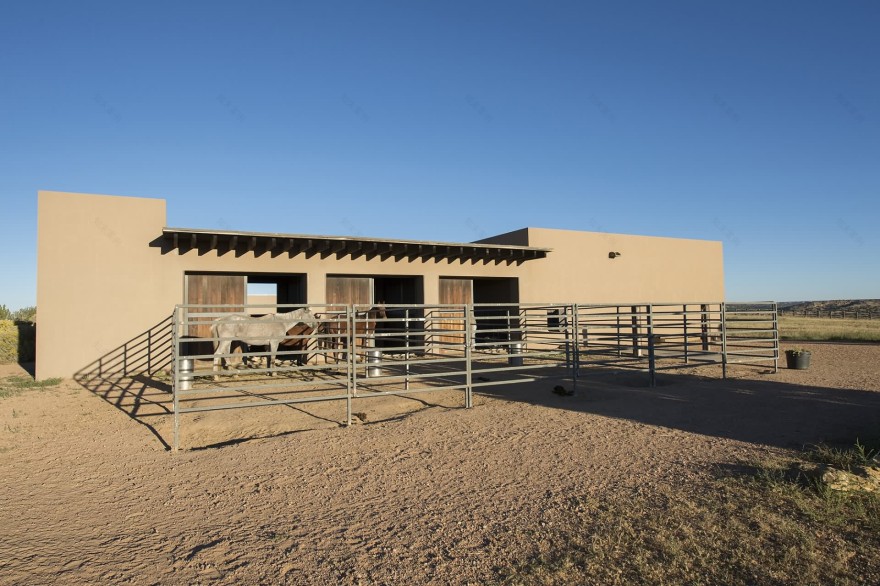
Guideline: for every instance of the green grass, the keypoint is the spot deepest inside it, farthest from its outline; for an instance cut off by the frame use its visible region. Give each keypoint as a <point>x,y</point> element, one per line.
<point>770,523</point>
<point>15,384</point>
<point>822,329</point>
<point>844,458</point>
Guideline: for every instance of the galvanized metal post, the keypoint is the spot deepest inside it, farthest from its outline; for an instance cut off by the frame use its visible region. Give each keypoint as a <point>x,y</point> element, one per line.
<point>468,354</point>
<point>175,377</point>
<point>723,340</point>
<point>568,361</point>
<point>575,324</point>
<point>351,379</point>
<point>652,370</point>
<point>617,333</point>
<point>775,309</point>
<point>686,345</point>
<point>704,326</point>
<point>406,353</point>
<point>636,352</point>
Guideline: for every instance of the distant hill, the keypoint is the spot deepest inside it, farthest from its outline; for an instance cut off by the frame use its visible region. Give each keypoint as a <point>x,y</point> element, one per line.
<point>834,305</point>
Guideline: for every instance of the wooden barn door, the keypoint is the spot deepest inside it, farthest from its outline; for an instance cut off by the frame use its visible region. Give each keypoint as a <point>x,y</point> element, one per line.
<point>459,292</point>
<point>349,290</point>
<point>212,289</point>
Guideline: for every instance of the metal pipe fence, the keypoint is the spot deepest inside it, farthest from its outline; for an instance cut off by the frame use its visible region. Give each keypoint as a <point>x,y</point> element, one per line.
<point>358,352</point>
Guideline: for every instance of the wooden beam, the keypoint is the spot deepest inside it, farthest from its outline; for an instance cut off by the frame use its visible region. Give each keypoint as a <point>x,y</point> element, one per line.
<point>322,247</point>
<point>371,249</point>
<point>299,246</point>
<point>356,249</point>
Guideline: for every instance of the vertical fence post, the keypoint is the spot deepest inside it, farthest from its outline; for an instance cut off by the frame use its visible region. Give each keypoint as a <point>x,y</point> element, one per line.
<point>565,328</point>
<point>652,366</point>
<point>469,341</point>
<point>704,327</point>
<point>575,340</point>
<point>636,352</point>
<point>406,352</point>
<point>351,386</point>
<point>175,378</point>
<point>723,340</point>
<point>775,309</point>
<point>687,359</point>
<point>616,332</point>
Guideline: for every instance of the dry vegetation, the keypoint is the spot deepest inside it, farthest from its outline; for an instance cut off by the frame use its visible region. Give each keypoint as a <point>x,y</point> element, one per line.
<point>832,329</point>
<point>837,305</point>
<point>763,524</point>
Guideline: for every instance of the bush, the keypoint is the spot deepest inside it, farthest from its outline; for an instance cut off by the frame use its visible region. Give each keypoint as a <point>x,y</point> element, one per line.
<point>18,341</point>
<point>27,314</point>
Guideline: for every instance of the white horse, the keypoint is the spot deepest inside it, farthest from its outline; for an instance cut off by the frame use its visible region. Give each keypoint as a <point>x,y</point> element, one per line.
<point>268,330</point>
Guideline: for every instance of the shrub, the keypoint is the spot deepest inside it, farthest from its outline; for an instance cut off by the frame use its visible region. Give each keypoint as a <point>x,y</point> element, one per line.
<point>28,314</point>
<point>18,341</point>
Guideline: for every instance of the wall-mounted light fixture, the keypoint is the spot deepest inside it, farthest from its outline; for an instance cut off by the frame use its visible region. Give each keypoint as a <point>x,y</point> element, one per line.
<point>613,254</point>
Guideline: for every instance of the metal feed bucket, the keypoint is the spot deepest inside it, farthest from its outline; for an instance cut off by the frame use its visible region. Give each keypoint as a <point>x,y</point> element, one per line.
<point>374,357</point>
<point>186,374</point>
<point>515,358</point>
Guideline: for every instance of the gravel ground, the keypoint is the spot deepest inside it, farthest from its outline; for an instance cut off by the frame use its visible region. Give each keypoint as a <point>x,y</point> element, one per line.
<point>422,493</point>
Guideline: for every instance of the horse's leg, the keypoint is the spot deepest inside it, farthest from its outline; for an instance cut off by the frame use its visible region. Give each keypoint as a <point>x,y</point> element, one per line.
<point>270,359</point>
<point>222,348</point>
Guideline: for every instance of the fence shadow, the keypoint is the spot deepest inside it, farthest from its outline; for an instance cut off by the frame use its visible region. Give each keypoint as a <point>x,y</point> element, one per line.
<point>133,377</point>
<point>753,410</point>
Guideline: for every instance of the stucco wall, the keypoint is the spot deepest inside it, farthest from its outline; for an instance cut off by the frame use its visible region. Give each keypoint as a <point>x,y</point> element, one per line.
<point>649,269</point>
<point>100,282</point>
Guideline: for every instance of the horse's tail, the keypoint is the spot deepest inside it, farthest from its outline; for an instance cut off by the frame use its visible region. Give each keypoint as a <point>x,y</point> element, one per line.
<point>214,330</point>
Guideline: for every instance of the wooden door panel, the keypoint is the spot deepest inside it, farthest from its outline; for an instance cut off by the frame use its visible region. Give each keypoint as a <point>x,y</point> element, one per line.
<point>349,290</point>
<point>458,292</point>
<point>208,289</point>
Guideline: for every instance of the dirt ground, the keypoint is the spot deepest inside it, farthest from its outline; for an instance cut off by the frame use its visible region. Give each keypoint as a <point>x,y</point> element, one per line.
<point>420,492</point>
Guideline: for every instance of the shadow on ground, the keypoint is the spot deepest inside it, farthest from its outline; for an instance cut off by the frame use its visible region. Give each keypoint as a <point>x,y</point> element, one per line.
<point>757,407</point>
<point>754,410</point>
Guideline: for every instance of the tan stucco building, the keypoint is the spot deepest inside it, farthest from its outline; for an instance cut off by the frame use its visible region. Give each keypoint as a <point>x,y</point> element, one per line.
<point>109,268</point>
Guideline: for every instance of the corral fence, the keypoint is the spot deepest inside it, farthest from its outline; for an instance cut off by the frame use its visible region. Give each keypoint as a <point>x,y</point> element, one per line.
<point>355,352</point>
<point>827,313</point>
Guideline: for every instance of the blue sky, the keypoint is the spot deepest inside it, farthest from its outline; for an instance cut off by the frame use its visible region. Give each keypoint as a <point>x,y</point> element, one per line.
<point>753,123</point>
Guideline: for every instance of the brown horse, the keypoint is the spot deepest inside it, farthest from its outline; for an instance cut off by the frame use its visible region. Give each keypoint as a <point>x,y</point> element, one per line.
<point>294,347</point>
<point>336,332</point>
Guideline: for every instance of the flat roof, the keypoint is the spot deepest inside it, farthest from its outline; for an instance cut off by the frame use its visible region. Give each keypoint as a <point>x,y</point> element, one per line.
<point>185,239</point>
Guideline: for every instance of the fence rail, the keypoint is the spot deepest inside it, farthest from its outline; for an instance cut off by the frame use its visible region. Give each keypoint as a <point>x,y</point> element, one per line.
<point>356,352</point>
<point>836,314</point>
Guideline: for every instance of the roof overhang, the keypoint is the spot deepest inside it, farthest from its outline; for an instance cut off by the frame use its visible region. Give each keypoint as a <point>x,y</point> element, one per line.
<point>259,243</point>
